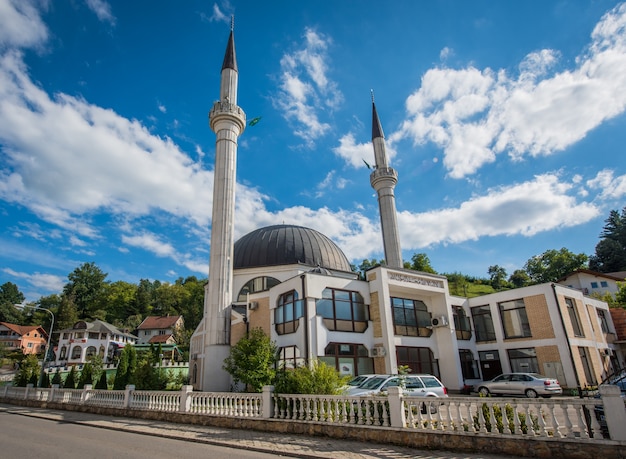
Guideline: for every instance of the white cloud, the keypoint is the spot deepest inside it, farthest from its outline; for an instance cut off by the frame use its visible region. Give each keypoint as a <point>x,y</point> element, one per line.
<point>218,15</point>
<point>46,282</point>
<point>523,209</point>
<point>475,115</point>
<point>21,24</point>
<point>306,91</point>
<point>102,10</point>
<point>612,187</point>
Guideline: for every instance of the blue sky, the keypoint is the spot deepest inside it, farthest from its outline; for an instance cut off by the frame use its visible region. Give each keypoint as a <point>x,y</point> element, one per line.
<point>504,120</point>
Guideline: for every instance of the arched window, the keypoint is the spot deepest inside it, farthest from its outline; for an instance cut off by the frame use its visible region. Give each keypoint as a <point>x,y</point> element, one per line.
<point>63,353</point>
<point>258,284</point>
<point>76,352</point>
<point>91,352</point>
<point>101,351</point>
<point>343,310</point>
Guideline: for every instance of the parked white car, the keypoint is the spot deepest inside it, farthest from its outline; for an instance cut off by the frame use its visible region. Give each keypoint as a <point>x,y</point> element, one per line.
<point>529,384</point>
<point>414,385</point>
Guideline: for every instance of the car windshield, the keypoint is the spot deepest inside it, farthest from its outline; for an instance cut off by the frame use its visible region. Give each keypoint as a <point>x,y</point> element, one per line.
<point>372,383</point>
<point>357,381</point>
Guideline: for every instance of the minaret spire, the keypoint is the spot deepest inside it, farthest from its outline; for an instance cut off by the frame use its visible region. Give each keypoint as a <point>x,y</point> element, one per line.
<point>210,344</point>
<point>384,180</point>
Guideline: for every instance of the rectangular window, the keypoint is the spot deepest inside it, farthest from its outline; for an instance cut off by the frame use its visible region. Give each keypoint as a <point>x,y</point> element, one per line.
<point>343,310</point>
<point>604,325</point>
<point>573,317</point>
<point>585,361</point>
<point>461,323</point>
<point>514,319</point>
<point>594,285</point>
<point>93,335</point>
<point>523,360</point>
<point>418,359</point>
<point>411,317</point>
<point>147,332</point>
<point>604,284</point>
<point>469,366</point>
<point>483,323</point>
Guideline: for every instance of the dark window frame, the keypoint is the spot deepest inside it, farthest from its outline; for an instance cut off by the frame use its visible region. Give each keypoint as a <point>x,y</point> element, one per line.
<point>483,323</point>
<point>343,310</point>
<point>521,326</point>
<point>411,317</point>
<point>288,312</point>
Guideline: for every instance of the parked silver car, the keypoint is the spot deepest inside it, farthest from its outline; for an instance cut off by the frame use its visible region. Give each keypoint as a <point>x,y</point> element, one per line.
<point>529,384</point>
<point>414,385</point>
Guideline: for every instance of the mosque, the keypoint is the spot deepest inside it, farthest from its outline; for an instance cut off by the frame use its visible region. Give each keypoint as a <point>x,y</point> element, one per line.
<point>297,285</point>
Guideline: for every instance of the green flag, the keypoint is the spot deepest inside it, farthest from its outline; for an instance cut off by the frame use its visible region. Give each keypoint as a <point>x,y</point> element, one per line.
<point>253,121</point>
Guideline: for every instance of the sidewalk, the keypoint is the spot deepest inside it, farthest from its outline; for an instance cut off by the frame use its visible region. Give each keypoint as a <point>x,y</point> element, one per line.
<point>281,444</point>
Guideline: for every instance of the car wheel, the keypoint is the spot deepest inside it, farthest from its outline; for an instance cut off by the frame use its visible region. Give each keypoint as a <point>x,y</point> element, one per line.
<point>531,393</point>
<point>483,391</point>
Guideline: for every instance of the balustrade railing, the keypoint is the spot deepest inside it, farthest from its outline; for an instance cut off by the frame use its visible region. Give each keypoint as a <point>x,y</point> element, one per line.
<point>588,419</point>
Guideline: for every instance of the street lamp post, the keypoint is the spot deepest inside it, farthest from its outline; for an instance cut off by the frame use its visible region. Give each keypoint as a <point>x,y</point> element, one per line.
<point>45,354</point>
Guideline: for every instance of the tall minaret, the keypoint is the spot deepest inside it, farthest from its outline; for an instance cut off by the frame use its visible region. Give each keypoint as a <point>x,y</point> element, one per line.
<point>211,341</point>
<point>383,180</point>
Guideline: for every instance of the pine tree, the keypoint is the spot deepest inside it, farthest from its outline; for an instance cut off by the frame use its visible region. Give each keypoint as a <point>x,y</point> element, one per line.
<point>102,382</point>
<point>70,381</point>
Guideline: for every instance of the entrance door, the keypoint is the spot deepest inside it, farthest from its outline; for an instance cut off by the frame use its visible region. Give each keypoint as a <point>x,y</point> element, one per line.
<point>490,366</point>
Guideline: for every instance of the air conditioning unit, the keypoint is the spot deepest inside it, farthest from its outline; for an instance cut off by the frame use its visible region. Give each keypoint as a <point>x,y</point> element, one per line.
<point>378,351</point>
<point>439,321</point>
<point>253,305</point>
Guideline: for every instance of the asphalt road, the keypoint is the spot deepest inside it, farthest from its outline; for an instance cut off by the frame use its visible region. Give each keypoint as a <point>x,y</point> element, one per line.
<point>24,436</point>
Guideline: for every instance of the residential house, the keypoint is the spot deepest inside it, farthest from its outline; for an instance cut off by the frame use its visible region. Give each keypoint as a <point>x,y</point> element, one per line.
<point>592,282</point>
<point>88,339</point>
<point>160,330</point>
<point>30,339</point>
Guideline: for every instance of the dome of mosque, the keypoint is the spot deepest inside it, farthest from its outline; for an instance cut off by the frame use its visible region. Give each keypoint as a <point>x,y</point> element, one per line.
<point>288,244</point>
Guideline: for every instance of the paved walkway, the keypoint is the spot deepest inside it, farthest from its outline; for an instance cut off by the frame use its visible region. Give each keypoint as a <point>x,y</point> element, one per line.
<point>285,445</point>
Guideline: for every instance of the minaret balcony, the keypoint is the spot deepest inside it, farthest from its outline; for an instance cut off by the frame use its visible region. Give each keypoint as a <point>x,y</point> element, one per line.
<point>383,173</point>
<point>225,109</point>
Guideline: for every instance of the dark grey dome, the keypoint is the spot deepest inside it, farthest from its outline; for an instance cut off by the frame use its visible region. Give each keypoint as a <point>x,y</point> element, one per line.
<point>286,245</point>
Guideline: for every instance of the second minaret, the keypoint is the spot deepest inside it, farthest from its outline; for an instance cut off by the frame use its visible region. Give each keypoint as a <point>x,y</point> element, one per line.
<point>384,180</point>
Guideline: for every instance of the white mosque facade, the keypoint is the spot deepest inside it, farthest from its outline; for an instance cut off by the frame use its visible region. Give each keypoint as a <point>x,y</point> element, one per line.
<point>297,285</point>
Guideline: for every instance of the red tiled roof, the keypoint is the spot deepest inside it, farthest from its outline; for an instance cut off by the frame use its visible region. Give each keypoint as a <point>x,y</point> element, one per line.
<point>23,329</point>
<point>159,339</point>
<point>158,322</point>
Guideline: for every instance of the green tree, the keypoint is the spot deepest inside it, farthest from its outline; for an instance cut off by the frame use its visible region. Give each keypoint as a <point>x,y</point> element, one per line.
<point>86,376</point>
<point>28,372</point>
<point>553,265</point>
<point>10,295</point>
<point>497,276</point>
<point>67,314</point>
<point>320,379</point>
<point>86,285</point>
<point>117,298</point>
<point>102,382</point>
<point>56,379</point>
<point>610,253</point>
<point>70,380</point>
<point>421,262</point>
<point>519,278</point>
<point>367,265</point>
<point>457,284</point>
<point>126,368</point>
<point>252,360</point>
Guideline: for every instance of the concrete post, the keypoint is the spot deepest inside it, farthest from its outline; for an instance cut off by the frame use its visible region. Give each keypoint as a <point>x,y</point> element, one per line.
<point>128,392</point>
<point>84,396</point>
<point>268,402</point>
<point>53,390</point>
<point>185,399</point>
<point>396,407</point>
<point>28,389</point>
<point>614,411</point>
